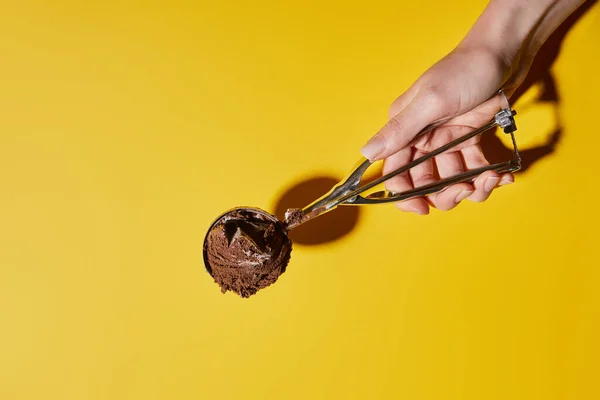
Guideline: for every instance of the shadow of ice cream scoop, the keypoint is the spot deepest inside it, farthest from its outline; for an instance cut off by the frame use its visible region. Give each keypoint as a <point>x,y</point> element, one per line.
<point>328,227</point>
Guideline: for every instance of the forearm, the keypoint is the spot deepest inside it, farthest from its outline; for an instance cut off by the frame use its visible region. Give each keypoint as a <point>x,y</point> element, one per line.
<point>516,29</point>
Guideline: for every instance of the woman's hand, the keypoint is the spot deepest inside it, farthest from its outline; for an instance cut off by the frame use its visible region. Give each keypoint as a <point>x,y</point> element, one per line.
<point>460,82</point>
<point>497,53</point>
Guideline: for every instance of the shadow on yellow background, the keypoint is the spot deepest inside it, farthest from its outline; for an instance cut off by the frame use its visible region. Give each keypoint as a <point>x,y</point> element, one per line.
<point>327,228</point>
<point>126,127</point>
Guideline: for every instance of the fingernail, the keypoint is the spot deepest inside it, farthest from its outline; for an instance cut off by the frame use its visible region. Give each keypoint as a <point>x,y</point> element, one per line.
<point>463,195</point>
<point>506,180</point>
<point>490,183</point>
<point>373,147</point>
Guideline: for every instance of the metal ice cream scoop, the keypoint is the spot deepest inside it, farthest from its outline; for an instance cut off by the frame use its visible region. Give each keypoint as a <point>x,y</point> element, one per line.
<point>349,190</point>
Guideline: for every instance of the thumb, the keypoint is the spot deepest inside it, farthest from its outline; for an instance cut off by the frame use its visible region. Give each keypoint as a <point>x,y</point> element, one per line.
<point>426,107</point>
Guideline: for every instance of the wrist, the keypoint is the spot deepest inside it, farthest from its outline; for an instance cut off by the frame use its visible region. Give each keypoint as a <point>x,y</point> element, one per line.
<point>514,30</point>
<point>506,28</point>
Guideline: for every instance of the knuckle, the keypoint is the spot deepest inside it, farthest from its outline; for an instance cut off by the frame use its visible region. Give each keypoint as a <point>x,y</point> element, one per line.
<point>435,96</point>
<point>396,125</point>
<point>398,183</point>
<point>392,133</point>
<point>443,203</point>
<point>424,179</point>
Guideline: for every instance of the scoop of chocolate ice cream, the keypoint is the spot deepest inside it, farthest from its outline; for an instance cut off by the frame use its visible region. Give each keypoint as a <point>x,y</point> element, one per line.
<point>246,250</point>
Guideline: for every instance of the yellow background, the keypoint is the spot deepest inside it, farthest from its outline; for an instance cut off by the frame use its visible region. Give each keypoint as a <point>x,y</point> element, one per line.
<point>126,127</point>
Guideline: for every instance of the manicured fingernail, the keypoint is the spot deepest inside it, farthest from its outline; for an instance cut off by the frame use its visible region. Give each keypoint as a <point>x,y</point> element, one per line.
<point>463,195</point>
<point>506,180</point>
<point>490,183</point>
<point>373,147</point>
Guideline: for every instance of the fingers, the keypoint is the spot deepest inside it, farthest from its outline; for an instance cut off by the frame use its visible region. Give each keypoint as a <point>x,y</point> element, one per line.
<point>473,156</point>
<point>485,183</point>
<point>402,182</point>
<point>448,165</point>
<point>421,175</point>
<point>506,179</point>
<point>401,102</point>
<point>450,197</point>
<point>424,173</point>
<point>426,107</point>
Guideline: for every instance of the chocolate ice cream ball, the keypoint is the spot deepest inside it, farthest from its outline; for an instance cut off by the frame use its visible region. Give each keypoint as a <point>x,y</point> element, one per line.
<point>245,250</point>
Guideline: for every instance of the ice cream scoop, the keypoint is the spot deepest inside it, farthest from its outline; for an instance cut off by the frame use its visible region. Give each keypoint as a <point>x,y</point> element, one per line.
<point>247,249</point>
